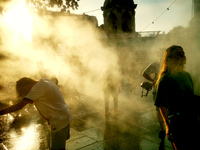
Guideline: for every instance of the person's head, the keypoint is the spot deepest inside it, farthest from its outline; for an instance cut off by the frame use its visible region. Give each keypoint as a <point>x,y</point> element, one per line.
<point>23,86</point>
<point>55,80</point>
<point>174,59</point>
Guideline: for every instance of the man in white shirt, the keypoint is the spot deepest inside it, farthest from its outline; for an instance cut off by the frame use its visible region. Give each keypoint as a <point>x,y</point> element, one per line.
<point>151,73</point>
<point>50,104</point>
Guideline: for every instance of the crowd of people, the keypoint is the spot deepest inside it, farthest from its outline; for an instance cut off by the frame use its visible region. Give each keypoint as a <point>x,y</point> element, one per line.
<point>173,94</point>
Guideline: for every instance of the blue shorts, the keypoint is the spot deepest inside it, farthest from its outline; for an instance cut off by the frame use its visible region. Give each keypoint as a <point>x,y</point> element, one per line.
<point>58,139</point>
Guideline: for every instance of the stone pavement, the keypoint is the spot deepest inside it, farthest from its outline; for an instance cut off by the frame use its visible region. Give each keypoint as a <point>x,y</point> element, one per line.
<point>134,127</point>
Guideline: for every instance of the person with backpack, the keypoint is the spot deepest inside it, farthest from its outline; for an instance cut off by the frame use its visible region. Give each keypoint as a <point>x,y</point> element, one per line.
<point>176,100</point>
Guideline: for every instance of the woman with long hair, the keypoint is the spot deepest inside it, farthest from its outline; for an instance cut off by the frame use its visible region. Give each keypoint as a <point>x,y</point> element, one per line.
<point>175,99</point>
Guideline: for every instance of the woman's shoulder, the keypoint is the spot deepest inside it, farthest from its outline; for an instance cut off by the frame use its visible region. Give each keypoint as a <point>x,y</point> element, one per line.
<point>166,76</point>
<point>186,73</point>
<point>166,81</point>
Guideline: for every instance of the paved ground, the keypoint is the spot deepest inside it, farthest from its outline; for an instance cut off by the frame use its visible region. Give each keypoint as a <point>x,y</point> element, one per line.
<point>134,127</point>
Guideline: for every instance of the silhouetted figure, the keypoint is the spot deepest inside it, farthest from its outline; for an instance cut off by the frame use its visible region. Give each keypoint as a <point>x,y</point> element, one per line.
<point>50,103</point>
<point>46,73</point>
<point>110,87</point>
<point>175,99</point>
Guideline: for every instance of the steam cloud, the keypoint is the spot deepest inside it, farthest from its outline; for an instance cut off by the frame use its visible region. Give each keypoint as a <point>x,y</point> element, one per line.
<point>73,50</point>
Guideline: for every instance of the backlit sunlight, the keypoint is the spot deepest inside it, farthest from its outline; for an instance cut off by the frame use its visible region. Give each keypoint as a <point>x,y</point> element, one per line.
<point>19,19</point>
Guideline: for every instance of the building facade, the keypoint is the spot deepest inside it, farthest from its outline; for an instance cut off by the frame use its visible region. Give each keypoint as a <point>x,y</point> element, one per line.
<point>119,16</point>
<point>196,8</point>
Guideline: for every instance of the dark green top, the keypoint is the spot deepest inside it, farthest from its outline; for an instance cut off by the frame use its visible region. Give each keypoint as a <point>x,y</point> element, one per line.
<point>175,92</point>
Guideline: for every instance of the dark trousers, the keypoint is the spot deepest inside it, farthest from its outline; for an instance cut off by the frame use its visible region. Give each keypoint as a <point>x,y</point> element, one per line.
<point>185,132</point>
<point>106,94</point>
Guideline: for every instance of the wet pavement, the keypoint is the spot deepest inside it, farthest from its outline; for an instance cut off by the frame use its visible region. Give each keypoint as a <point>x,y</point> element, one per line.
<point>134,127</point>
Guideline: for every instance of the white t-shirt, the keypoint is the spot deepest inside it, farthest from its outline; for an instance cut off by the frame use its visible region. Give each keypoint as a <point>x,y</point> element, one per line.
<point>153,69</point>
<point>50,103</point>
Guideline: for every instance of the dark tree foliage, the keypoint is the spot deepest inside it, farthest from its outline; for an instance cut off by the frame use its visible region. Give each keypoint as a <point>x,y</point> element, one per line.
<point>59,3</point>
<point>44,4</point>
<point>5,0</point>
<point>72,3</point>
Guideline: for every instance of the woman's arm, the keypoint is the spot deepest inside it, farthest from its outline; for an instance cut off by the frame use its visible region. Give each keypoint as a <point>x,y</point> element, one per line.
<point>163,111</point>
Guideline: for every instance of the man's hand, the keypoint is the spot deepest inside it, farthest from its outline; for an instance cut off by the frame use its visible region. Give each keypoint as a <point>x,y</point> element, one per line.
<point>15,107</point>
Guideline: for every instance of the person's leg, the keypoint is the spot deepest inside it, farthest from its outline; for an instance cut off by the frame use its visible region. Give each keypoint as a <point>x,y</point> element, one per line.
<point>106,95</point>
<point>115,100</point>
<point>58,139</point>
<point>47,130</point>
<point>47,133</point>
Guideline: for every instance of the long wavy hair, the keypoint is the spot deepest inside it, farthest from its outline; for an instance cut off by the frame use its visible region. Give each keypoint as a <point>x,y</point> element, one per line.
<point>169,62</point>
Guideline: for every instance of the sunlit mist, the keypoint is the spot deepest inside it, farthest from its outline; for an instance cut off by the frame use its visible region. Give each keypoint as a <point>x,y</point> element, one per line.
<point>19,19</point>
<point>68,47</point>
<point>10,117</point>
<point>45,44</point>
<point>26,139</point>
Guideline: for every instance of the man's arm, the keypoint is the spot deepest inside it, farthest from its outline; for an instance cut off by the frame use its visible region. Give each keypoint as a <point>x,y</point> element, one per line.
<point>146,76</point>
<point>15,107</point>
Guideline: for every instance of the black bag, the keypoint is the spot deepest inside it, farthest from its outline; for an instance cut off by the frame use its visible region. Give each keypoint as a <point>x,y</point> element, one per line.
<point>197,106</point>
